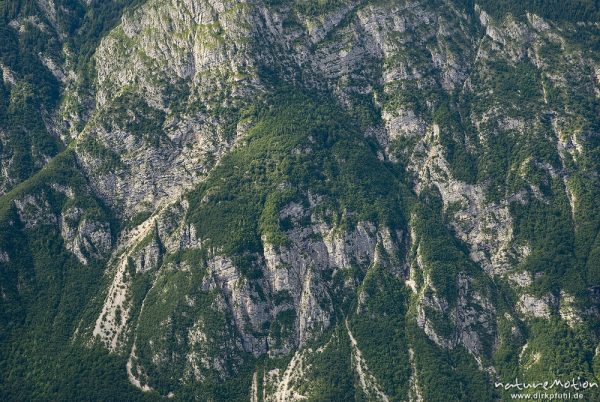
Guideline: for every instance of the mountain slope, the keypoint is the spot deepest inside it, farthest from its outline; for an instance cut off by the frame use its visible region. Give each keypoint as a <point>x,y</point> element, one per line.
<point>321,200</point>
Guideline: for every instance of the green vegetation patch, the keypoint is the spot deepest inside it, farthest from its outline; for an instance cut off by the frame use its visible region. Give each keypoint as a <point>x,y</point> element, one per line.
<point>298,142</point>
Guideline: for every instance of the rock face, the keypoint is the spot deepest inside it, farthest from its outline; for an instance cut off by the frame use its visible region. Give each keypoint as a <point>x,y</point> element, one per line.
<point>167,98</point>
<point>314,199</point>
<point>85,239</point>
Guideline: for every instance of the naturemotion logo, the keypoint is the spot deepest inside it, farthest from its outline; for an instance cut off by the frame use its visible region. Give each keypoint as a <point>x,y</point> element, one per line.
<point>576,385</point>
